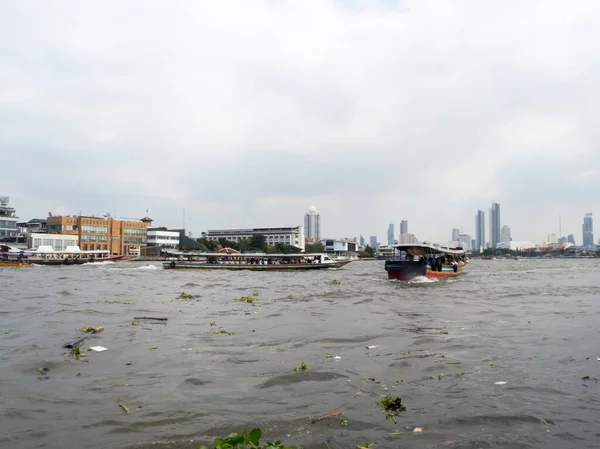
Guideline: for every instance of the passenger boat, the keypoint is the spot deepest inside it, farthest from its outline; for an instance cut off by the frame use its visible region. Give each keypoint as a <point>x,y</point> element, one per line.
<point>45,255</point>
<point>417,259</point>
<point>255,262</point>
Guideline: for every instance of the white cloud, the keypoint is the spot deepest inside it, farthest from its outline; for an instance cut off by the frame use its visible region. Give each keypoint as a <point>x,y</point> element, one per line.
<point>247,112</point>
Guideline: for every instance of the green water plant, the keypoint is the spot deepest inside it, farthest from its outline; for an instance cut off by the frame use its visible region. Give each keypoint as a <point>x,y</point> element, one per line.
<point>246,440</point>
<point>390,406</point>
<point>248,299</point>
<point>303,367</point>
<point>185,295</point>
<point>328,356</point>
<point>336,282</point>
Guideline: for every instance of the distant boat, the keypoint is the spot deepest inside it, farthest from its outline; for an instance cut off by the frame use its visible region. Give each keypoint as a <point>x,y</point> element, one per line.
<point>417,259</point>
<point>255,262</point>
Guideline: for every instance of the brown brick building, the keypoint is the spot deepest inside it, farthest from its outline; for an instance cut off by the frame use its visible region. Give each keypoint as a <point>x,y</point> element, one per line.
<point>120,237</point>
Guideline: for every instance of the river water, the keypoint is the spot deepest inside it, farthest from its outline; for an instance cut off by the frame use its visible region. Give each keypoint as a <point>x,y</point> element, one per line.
<point>532,325</point>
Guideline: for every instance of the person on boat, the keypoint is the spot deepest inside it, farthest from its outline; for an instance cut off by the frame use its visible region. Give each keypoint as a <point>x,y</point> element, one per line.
<point>454,266</point>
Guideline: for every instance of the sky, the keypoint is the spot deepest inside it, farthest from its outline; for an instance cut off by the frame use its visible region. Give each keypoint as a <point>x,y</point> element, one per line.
<point>233,114</point>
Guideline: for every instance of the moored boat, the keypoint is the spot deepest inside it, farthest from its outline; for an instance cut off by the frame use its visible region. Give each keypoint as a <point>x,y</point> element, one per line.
<point>417,259</point>
<point>255,262</point>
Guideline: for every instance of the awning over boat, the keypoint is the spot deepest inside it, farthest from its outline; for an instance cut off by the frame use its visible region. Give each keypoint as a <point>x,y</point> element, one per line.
<point>422,249</point>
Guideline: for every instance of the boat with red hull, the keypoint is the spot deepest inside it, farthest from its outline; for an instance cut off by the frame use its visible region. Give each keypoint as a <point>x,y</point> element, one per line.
<point>420,259</point>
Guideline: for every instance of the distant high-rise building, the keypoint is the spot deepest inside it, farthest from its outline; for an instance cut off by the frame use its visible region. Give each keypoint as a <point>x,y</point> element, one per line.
<point>562,240</point>
<point>552,238</point>
<point>464,241</point>
<point>505,234</point>
<point>588,230</point>
<point>312,224</point>
<point>373,241</point>
<point>571,239</point>
<point>455,232</point>
<point>494,225</point>
<point>473,244</point>
<point>362,240</point>
<point>404,227</point>
<point>390,235</point>
<point>479,230</point>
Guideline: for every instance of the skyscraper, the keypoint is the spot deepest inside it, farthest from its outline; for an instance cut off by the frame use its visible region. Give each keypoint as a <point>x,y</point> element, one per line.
<point>404,227</point>
<point>312,224</point>
<point>479,230</point>
<point>571,239</point>
<point>373,241</point>
<point>390,235</point>
<point>588,230</point>
<point>362,240</point>
<point>494,225</point>
<point>455,232</point>
<point>505,234</point>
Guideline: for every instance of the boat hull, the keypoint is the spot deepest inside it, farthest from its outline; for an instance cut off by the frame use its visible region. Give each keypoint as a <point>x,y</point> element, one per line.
<point>175,265</point>
<point>406,270</point>
<point>59,262</point>
<point>15,264</point>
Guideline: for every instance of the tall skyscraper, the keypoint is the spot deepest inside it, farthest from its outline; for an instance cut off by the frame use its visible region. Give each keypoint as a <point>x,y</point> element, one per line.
<point>312,224</point>
<point>571,239</point>
<point>505,234</point>
<point>390,235</point>
<point>494,225</point>
<point>362,240</point>
<point>455,232</point>
<point>404,227</point>
<point>373,241</point>
<point>479,230</point>
<point>588,230</point>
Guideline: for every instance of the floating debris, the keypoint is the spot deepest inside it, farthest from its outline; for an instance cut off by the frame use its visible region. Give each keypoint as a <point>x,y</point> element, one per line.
<point>417,430</point>
<point>185,295</point>
<point>344,422</point>
<point>336,282</point>
<point>212,323</point>
<point>149,318</point>
<point>501,382</point>
<point>331,415</point>
<point>124,408</point>
<point>92,330</point>
<point>223,331</point>
<point>585,377</point>
<point>98,348</point>
<point>372,347</point>
<point>337,357</point>
<point>152,348</point>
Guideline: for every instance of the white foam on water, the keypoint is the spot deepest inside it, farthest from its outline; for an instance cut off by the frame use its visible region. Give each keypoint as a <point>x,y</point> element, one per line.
<point>146,267</point>
<point>421,280</point>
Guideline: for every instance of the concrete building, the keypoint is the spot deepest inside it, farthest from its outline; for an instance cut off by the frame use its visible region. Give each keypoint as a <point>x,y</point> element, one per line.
<point>588,231</point>
<point>571,239</point>
<point>163,238</point>
<point>455,232</point>
<point>291,235</point>
<point>33,225</point>
<point>390,235</point>
<point>8,219</point>
<point>312,224</point>
<point>505,234</point>
<point>516,246</point>
<point>464,241</point>
<point>386,251</point>
<point>58,242</point>
<point>494,225</point>
<point>339,246</point>
<point>404,227</point>
<point>119,237</point>
<point>479,231</point>
<point>408,238</point>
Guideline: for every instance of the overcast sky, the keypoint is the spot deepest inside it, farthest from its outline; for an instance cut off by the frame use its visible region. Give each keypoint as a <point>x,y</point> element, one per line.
<point>245,113</point>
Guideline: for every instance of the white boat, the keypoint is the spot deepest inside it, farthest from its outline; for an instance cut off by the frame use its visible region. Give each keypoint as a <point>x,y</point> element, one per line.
<point>255,262</point>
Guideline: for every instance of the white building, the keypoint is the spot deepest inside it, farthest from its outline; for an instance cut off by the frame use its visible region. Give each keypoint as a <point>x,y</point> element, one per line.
<point>8,219</point>
<point>505,234</point>
<point>161,237</point>
<point>292,235</point>
<point>516,246</point>
<point>464,241</point>
<point>58,242</point>
<point>339,246</point>
<point>312,224</point>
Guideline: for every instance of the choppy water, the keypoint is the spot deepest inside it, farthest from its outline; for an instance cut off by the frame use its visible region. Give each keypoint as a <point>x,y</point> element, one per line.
<point>441,347</point>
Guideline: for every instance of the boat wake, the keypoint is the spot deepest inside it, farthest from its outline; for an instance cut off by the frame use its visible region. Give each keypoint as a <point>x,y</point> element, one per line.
<point>421,280</point>
<point>147,267</point>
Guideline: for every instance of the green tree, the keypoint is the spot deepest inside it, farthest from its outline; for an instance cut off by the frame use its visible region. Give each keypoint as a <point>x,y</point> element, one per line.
<point>314,247</point>
<point>258,242</point>
<point>368,252</point>
<point>228,243</point>
<point>209,245</point>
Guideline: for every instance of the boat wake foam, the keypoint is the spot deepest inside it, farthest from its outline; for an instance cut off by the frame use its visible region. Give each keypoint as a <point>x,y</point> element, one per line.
<point>421,280</point>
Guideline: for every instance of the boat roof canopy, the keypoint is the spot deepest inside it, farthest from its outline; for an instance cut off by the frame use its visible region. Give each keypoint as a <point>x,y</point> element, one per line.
<point>422,249</point>
<point>250,255</point>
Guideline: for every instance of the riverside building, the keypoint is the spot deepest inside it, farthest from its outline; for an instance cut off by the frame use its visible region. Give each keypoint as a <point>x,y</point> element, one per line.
<point>119,237</point>
<point>291,235</point>
<point>8,219</point>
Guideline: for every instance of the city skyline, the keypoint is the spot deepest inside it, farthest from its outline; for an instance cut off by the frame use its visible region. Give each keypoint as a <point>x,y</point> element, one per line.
<point>252,129</point>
